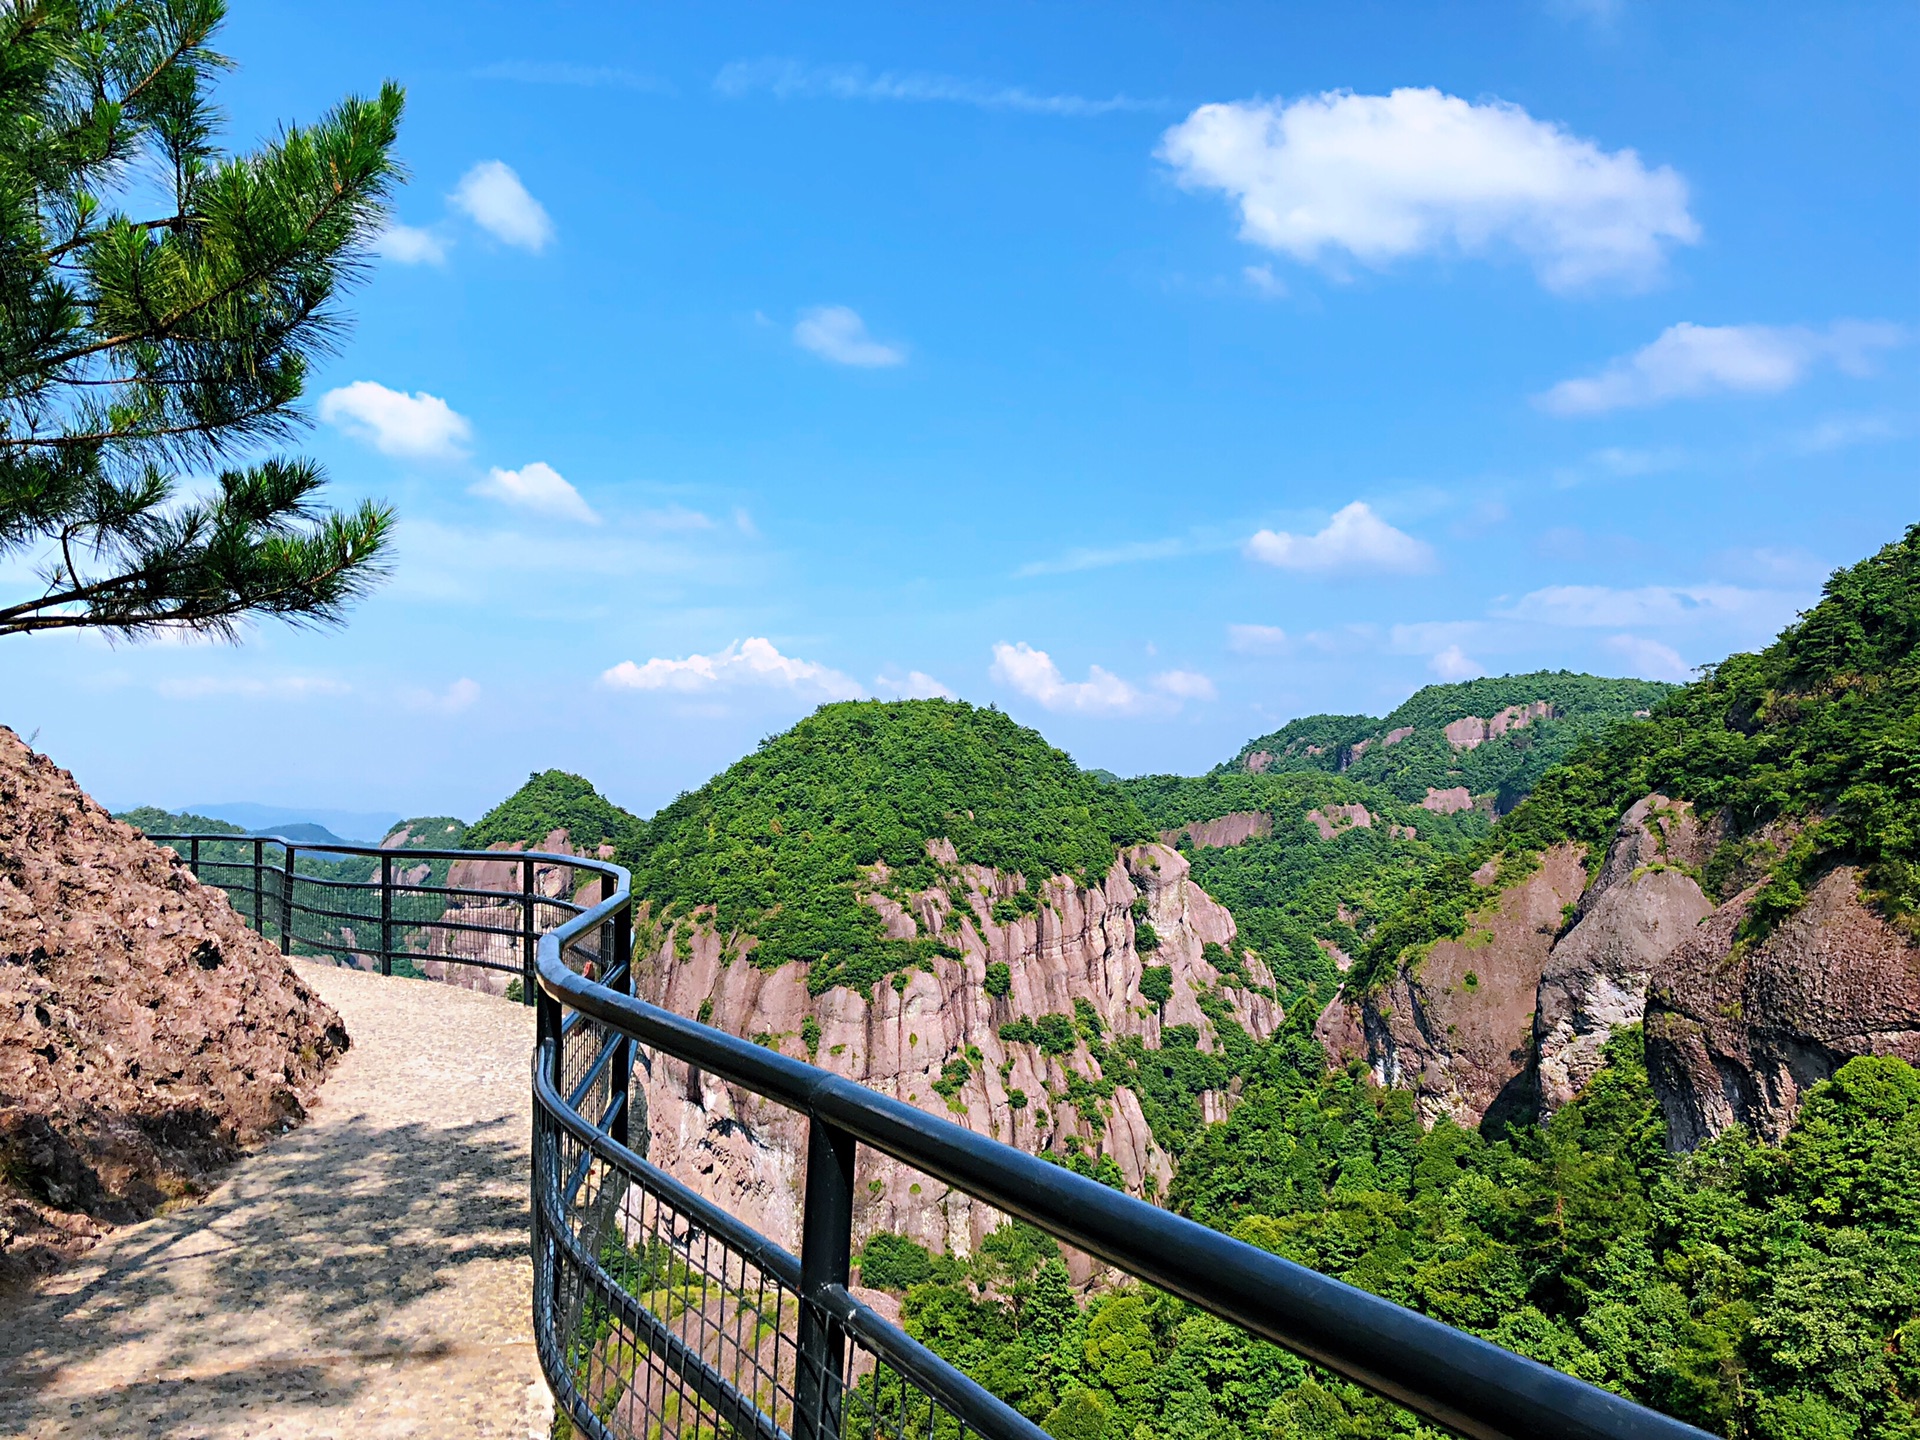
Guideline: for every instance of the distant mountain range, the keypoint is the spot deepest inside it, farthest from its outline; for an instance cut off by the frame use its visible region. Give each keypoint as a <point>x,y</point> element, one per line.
<point>312,823</point>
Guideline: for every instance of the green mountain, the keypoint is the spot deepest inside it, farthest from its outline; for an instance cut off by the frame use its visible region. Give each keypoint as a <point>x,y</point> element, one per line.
<point>1534,721</point>
<point>782,844</point>
<point>1817,735</point>
<point>554,800</point>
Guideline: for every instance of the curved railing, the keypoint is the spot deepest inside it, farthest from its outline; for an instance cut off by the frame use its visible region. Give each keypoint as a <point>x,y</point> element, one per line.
<point>656,1312</point>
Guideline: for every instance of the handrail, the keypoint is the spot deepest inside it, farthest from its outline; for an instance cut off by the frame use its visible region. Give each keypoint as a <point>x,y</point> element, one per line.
<point>1453,1379</point>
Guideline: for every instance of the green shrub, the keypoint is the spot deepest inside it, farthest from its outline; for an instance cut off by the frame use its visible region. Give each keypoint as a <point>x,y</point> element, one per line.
<point>999,979</point>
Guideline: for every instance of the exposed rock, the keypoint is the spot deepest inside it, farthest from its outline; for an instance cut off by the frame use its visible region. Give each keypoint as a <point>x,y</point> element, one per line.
<point>1224,832</point>
<point>1446,802</point>
<point>1394,737</point>
<point>1330,820</point>
<point>146,1035</point>
<point>1354,752</point>
<point>1258,762</point>
<point>1737,1033</point>
<point>1643,903</point>
<point>1079,945</point>
<point>1471,731</point>
<point>1456,1027</point>
<point>499,942</point>
<point>1342,961</point>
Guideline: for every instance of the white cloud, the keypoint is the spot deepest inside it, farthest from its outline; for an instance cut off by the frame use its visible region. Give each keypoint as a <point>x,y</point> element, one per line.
<point>1604,606</point>
<point>837,333</point>
<point>279,687</point>
<point>418,426</point>
<point>410,245</point>
<point>1264,282</point>
<point>1355,541</point>
<point>1032,673</point>
<point>1427,637</point>
<point>1453,663</point>
<point>538,487</point>
<point>915,685</point>
<point>493,197</point>
<point>1256,640</point>
<point>1384,177</point>
<point>752,662</point>
<point>1649,659</point>
<point>1688,361</point>
<point>1184,685</point>
<point>458,696</point>
<point>1132,552</point>
<point>792,80</point>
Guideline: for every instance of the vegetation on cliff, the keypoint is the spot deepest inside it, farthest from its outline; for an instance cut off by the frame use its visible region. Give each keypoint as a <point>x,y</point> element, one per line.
<point>1294,891</point>
<point>554,800</point>
<point>1751,1290</point>
<point>1808,752</point>
<point>784,843</point>
<point>1506,766</point>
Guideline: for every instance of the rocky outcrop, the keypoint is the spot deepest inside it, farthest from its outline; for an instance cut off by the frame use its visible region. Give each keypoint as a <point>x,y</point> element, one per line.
<point>1736,1033</point>
<point>1078,946</point>
<point>1446,802</point>
<point>498,941</point>
<point>146,1035</point>
<point>1223,832</point>
<point>1330,820</point>
<point>1643,903</point>
<point>1395,736</point>
<point>1472,731</point>
<point>1457,1026</point>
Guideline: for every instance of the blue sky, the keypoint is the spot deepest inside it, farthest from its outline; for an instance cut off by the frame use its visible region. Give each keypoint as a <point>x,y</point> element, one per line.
<point>1157,373</point>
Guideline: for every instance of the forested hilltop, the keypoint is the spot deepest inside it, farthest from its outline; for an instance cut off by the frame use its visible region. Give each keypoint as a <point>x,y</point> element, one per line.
<point>1492,738</point>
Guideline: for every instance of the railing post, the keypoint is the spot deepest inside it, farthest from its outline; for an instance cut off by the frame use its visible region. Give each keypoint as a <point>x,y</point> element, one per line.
<point>259,882</point>
<point>826,1253</point>
<point>619,968</point>
<point>386,913</point>
<point>529,979</point>
<point>193,855</point>
<point>286,901</point>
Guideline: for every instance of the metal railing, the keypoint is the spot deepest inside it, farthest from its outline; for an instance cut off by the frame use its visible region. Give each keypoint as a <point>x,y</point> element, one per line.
<point>658,1313</point>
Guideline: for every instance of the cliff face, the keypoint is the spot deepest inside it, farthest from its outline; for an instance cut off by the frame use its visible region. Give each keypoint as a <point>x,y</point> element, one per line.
<point>1642,904</point>
<point>145,1033</point>
<point>508,874</point>
<point>1737,1033</point>
<point>1079,945</point>
<point>1456,1028</point>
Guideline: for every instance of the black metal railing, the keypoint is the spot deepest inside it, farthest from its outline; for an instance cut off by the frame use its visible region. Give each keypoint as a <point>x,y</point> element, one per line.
<point>658,1313</point>
<point>408,912</point>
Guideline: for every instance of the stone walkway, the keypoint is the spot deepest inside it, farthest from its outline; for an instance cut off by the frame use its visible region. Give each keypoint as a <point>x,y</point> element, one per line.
<point>363,1277</point>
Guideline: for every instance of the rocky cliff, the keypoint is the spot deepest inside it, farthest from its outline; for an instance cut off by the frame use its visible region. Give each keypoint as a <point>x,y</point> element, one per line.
<point>933,1038</point>
<point>1644,902</point>
<point>1737,1032</point>
<point>1455,1025</point>
<point>496,942</point>
<point>146,1034</point>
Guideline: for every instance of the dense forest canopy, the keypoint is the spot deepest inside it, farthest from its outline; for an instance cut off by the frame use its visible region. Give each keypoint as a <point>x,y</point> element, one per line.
<point>1752,1290</point>
<point>782,844</point>
<point>1409,753</point>
<point>554,800</point>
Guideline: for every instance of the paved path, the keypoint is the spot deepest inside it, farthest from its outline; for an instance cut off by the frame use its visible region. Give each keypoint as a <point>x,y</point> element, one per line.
<point>363,1277</point>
